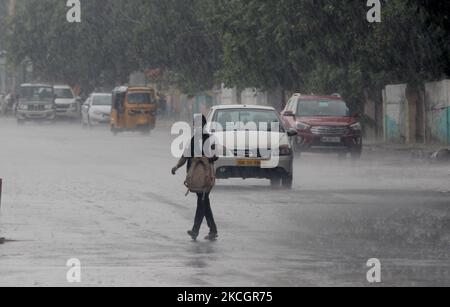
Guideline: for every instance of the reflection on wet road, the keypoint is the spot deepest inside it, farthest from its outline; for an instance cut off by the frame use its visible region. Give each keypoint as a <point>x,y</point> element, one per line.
<point>112,203</point>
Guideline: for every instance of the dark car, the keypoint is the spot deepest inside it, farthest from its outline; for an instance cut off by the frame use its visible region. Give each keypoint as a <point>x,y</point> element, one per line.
<point>36,102</point>
<point>324,124</point>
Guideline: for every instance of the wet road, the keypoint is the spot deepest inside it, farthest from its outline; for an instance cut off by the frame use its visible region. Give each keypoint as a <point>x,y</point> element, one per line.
<point>112,203</point>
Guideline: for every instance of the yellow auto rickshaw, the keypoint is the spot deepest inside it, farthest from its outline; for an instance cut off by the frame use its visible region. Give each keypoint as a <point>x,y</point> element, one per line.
<point>133,109</point>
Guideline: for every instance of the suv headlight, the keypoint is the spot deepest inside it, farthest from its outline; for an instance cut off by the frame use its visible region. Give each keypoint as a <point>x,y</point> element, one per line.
<point>284,150</point>
<point>356,127</point>
<point>303,126</point>
<point>23,107</point>
<point>48,107</point>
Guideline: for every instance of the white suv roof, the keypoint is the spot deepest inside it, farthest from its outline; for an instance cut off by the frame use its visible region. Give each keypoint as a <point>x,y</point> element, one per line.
<point>62,86</point>
<point>240,106</point>
<point>36,85</point>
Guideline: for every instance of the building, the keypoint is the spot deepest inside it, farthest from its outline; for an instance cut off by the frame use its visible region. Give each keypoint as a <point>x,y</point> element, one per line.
<point>250,96</point>
<point>412,116</point>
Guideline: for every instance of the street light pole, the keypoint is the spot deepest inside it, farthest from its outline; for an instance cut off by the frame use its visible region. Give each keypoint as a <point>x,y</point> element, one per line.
<point>2,72</point>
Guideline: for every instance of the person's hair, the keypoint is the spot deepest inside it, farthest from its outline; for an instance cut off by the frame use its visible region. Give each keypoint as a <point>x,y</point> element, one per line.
<point>204,121</point>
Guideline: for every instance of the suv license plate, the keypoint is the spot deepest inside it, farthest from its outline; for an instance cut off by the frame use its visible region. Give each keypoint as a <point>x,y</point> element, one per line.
<point>255,163</point>
<point>331,139</point>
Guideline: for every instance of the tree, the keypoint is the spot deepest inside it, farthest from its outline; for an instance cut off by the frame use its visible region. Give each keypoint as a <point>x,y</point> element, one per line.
<point>328,46</point>
<point>90,53</point>
<point>174,35</point>
<point>3,15</point>
<point>115,38</point>
<point>318,46</point>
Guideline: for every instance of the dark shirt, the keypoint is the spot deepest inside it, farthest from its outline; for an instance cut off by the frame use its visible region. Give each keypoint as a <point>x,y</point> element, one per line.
<point>195,148</point>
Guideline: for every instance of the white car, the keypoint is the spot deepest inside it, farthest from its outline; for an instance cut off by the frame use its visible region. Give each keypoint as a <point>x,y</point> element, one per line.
<point>67,104</point>
<point>96,110</point>
<point>252,142</point>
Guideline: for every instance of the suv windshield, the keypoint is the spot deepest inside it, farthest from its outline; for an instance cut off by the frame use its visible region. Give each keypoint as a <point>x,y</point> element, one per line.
<point>322,108</point>
<point>63,93</point>
<point>140,98</point>
<point>104,100</point>
<point>241,120</point>
<point>36,93</point>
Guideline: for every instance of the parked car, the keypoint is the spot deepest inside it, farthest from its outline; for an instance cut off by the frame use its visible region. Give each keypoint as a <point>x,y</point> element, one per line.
<point>35,102</point>
<point>246,141</point>
<point>96,110</point>
<point>325,124</point>
<point>67,104</point>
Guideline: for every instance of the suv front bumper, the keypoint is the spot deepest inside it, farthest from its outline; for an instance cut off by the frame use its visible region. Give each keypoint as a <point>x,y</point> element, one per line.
<point>67,112</point>
<point>231,167</point>
<point>35,115</point>
<point>308,142</point>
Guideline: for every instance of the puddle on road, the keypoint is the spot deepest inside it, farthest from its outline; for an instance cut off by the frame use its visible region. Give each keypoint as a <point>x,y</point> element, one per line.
<point>4,241</point>
<point>201,254</point>
<point>205,248</point>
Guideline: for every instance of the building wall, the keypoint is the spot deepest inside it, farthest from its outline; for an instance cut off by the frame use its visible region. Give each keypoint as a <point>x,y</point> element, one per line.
<point>227,96</point>
<point>137,79</point>
<point>403,113</point>
<point>249,96</point>
<point>395,113</point>
<point>438,111</point>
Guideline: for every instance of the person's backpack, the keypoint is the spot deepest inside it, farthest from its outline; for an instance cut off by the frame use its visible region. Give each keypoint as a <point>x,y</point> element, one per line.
<point>200,177</point>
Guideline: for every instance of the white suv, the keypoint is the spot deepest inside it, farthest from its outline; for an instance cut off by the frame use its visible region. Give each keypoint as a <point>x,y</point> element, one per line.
<point>252,142</point>
<point>67,104</point>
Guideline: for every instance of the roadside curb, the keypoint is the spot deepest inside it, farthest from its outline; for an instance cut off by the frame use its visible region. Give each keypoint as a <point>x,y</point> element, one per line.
<point>414,151</point>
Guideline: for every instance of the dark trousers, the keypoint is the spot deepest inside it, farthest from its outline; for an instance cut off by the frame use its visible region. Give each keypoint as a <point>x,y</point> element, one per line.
<point>204,211</point>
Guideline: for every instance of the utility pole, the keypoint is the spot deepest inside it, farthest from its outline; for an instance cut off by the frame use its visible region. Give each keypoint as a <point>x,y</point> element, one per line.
<point>11,13</point>
<point>12,7</point>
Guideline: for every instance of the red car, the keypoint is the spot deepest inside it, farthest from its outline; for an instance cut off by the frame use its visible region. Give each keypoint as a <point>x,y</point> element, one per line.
<point>324,123</point>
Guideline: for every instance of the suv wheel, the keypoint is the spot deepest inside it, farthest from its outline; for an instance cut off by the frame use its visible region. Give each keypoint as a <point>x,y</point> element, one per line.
<point>287,181</point>
<point>275,182</point>
<point>114,130</point>
<point>356,154</point>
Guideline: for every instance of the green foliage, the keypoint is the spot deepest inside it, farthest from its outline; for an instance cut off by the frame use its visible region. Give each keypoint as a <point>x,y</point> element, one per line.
<point>325,46</point>
<point>89,53</point>
<point>319,46</point>
<point>3,15</point>
<point>115,38</point>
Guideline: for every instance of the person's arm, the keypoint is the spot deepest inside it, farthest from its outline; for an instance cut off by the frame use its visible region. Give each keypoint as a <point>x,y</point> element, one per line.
<point>183,159</point>
<point>180,164</point>
<point>213,159</point>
